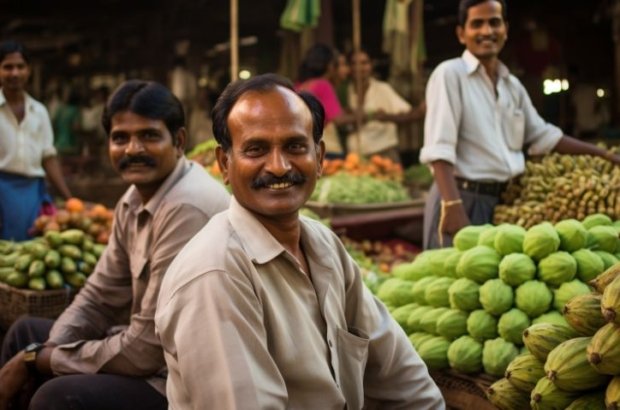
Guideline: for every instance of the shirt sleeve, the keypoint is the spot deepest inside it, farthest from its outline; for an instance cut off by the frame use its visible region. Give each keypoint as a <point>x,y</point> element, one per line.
<point>48,135</point>
<point>231,342</point>
<point>395,376</point>
<point>443,116</point>
<point>540,136</point>
<point>107,298</point>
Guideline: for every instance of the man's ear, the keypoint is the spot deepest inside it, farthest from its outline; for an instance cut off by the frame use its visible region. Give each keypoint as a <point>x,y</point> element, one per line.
<point>459,34</point>
<point>320,156</point>
<point>222,161</point>
<point>181,140</point>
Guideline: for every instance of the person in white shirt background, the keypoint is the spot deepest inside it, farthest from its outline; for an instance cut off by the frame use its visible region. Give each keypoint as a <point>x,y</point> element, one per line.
<point>27,153</point>
<point>384,109</point>
<point>479,119</point>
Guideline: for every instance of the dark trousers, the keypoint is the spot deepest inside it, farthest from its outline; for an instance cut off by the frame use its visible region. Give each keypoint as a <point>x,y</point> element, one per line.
<point>478,207</point>
<point>79,391</point>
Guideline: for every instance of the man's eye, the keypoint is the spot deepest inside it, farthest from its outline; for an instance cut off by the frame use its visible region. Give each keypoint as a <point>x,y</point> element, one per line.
<point>151,135</point>
<point>118,139</point>
<point>297,147</point>
<point>253,150</point>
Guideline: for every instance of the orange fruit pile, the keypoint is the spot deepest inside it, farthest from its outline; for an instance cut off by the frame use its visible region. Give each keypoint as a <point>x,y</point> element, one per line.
<point>376,166</point>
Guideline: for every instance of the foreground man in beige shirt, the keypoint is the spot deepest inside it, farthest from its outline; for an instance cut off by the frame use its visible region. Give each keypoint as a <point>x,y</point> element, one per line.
<point>264,309</point>
<point>103,347</point>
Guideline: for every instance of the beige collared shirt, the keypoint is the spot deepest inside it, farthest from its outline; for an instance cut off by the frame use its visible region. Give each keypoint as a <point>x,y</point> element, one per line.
<point>482,134</point>
<point>124,287</point>
<point>24,145</point>
<point>377,136</point>
<point>243,327</point>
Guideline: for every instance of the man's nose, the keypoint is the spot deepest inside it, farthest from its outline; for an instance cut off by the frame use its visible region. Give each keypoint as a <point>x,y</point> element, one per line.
<point>134,146</point>
<point>278,163</point>
<point>487,29</point>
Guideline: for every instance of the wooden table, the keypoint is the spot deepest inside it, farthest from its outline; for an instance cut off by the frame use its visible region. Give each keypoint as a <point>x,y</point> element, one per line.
<point>375,221</point>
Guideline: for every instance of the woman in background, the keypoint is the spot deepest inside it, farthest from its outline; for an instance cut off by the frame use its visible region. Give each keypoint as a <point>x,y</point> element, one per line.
<point>317,70</point>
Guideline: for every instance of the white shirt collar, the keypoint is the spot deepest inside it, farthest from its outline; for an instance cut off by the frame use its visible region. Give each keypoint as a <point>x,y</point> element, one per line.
<point>472,63</point>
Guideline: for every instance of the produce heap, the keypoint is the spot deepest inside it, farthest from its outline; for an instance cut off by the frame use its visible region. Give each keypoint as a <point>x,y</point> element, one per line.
<point>375,166</point>
<point>561,187</point>
<point>64,253</point>
<point>575,366</point>
<point>467,307</point>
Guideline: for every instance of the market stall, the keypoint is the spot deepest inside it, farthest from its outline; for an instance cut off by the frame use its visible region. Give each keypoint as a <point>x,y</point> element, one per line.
<point>523,313</point>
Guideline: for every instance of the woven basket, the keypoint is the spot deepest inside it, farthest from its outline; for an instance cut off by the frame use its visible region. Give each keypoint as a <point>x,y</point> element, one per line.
<point>464,392</point>
<point>17,302</point>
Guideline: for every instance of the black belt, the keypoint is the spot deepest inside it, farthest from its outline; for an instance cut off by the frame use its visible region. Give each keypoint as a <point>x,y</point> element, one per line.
<point>479,187</point>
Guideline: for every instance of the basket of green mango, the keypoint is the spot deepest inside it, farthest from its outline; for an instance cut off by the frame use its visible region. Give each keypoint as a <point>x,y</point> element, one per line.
<point>40,277</point>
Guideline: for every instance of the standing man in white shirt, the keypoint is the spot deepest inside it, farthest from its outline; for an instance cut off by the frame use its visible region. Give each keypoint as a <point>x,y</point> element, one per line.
<point>27,152</point>
<point>479,119</point>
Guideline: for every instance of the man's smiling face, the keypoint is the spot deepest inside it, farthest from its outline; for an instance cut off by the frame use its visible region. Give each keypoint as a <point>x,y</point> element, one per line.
<point>273,163</point>
<point>485,31</point>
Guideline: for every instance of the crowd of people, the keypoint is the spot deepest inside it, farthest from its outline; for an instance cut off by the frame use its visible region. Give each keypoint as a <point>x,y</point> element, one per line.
<point>208,300</point>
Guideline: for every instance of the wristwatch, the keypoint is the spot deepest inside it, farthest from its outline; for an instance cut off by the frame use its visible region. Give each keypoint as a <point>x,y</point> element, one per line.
<point>30,356</point>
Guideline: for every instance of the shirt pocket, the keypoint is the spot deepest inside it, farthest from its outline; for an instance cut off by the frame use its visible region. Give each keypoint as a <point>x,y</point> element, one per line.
<point>515,126</point>
<point>352,359</point>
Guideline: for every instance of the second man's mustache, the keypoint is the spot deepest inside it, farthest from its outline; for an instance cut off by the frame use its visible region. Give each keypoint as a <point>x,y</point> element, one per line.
<point>293,178</point>
<point>139,159</point>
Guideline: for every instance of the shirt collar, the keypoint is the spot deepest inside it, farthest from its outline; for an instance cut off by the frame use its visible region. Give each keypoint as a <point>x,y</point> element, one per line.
<point>133,200</point>
<point>28,99</point>
<point>472,63</point>
<point>257,241</point>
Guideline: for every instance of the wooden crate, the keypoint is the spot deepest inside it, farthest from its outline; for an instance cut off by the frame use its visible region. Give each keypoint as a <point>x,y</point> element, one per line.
<point>330,210</point>
<point>464,392</point>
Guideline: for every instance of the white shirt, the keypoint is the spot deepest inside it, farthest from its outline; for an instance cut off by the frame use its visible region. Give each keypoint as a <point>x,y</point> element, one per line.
<point>482,134</point>
<point>24,145</point>
<point>377,136</point>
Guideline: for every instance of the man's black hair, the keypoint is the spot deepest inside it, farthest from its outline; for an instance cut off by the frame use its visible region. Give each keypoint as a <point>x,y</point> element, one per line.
<point>9,47</point>
<point>260,83</point>
<point>148,99</point>
<point>464,6</point>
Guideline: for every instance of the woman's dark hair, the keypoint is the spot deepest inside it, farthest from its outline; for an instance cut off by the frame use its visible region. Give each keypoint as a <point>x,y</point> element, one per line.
<point>262,84</point>
<point>316,62</point>
<point>148,99</point>
<point>464,6</point>
<point>9,47</point>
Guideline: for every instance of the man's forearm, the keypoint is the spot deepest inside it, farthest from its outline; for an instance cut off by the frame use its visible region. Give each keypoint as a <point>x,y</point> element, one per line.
<point>443,173</point>
<point>53,172</point>
<point>573,146</point>
<point>44,360</point>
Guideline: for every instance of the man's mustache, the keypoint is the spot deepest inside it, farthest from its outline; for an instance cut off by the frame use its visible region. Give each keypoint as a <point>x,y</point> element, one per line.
<point>293,178</point>
<point>139,159</point>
